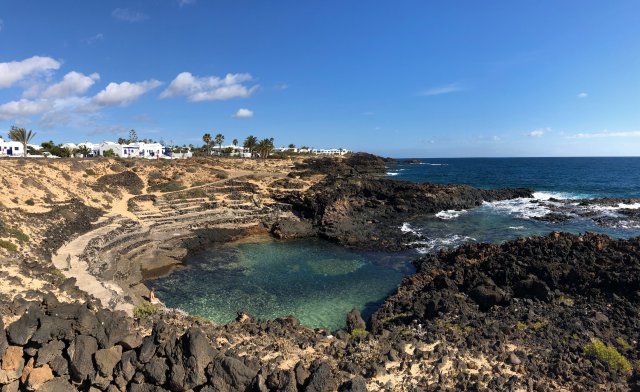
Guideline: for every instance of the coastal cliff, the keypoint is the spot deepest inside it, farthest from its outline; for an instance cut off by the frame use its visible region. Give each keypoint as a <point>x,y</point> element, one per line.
<point>558,312</point>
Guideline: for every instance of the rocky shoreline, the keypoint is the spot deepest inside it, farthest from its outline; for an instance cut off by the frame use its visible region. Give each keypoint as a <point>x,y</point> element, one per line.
<point>558,312</point>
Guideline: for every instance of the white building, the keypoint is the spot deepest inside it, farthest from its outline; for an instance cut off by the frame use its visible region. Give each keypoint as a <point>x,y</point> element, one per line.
<point>120,150</point>
<point>331,151</point>
<point>11,148</point>
<point>235,151</point>
<point>94,148</point>
<point>149,150</point>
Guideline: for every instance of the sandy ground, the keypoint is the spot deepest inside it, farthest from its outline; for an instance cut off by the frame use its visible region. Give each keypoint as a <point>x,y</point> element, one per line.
<point>67,260</point>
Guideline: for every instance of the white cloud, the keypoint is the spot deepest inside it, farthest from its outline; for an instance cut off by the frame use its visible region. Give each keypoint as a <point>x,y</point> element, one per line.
<point>124,93</point>
<point>73,84</point>
<point>23,108</point>
<point>15,71</point>
<point>439,90</point>
<point>94,39</point>
<point>604,134</point>
<point>210,88</point>
<point>243,113</point>
<point>582,95</point>
<point>127,15</point>
<point>539,132</point>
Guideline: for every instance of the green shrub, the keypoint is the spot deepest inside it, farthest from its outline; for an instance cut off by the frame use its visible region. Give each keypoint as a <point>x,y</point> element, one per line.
<point>222,176</point>
<point>623,343</point>
<point>29,202</point>
<point>358,333</point>
<point>90,172</point>
<point>18,234</point>
<point>607,354</point>
<point>10,246</point>
<point>145,310</point>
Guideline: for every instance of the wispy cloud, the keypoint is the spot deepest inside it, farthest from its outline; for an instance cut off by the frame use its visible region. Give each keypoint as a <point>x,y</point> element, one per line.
<point>210,88</point>
<point>539,132</point>
<point>582,95</point>
<point>127,15</point>
<point>281,86</point>
<point>446,89</point>
<point>243,113</point>
<point>182,3</point>
<point>94,39</point>
<point>604,134</point>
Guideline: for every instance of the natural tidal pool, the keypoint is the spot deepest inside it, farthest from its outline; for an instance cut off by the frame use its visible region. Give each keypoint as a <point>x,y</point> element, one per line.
<point>315,281</point>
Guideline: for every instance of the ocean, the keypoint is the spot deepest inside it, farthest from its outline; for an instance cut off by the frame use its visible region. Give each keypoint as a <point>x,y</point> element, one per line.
<point>573,180</point>
<point>319,282</point>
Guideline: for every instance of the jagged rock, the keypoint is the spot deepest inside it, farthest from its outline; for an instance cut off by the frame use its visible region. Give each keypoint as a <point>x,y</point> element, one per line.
<point>487,296</point>
<point>12,363</point>
<point>38,377</point>
<point>52,327</point>
<point>20,331</point>
<point>355,321</point>
<point>13,386</point>
<point>80,354</point>
<point>282,380</point>
<point>126,369</point>
<point>289,228</point>
<point>49,351</point>
<point>3,338</point>
<point>156,371</point>
<point>321,379</point>
<point>107,359</point>
<point>356,384</point>
<point>58,384</point>
<point>302,374</point>
<point>230,373</point>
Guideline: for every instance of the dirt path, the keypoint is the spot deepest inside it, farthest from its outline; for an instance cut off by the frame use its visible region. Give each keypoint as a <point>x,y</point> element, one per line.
<point>68,256</point>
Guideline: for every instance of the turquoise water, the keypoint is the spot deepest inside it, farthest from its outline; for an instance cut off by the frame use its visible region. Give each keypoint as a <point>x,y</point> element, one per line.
<point>313,280</point>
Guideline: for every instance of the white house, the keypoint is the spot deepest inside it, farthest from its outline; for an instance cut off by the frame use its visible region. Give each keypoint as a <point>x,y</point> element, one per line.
<point>236,151</point>
<point>331,151</point>
<point>121,150</point>
<point>11,148</point>
<point>149,150</point>
<point>94,148</point>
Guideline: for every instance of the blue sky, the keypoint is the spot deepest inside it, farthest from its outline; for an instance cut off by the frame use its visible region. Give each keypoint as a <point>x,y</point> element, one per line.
<point>398,78</point>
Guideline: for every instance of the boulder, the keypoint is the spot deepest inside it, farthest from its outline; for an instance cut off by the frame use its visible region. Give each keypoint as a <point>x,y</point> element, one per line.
<point>52,327</point>
<point>355,321</point>
<point>49,351</point>
<point>20,331</point>
<point>230,374</point>
<point>58,384</point>
<point>12,363</point>
<point>356,384</point>
<point>3,338</point>
<point>38,377</point>
<point>487,296</point>
<point>321,379</point>
<point>156,370</point>
<point>107,359</point>
<point>80,354</point>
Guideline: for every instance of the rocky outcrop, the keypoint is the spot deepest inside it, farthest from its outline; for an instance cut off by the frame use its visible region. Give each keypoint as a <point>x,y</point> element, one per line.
<point>367,212</point>
<point>126,180</point>
<point>535,302</point>
<point>103,350</point>
<point>360,164</point>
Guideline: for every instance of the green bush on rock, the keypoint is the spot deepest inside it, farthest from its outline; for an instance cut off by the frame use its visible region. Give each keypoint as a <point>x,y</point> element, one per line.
<point>145,310</point>
<point>607,354</point>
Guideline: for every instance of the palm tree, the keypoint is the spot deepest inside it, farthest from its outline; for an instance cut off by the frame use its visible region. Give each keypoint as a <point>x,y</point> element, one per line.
<point>235,142</point>
<point>264,147</point>
<point>218,140</point>
<point>250,143</point>
<point>21,135</point>
<point>207,139</point>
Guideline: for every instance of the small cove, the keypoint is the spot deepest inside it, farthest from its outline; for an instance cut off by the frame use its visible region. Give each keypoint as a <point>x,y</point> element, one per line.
<point>313,280</point>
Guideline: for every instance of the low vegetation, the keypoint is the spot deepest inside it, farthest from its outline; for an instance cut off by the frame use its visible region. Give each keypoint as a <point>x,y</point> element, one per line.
<point>607,354</point>
<point>145,310</point>
<point>10,246</point>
